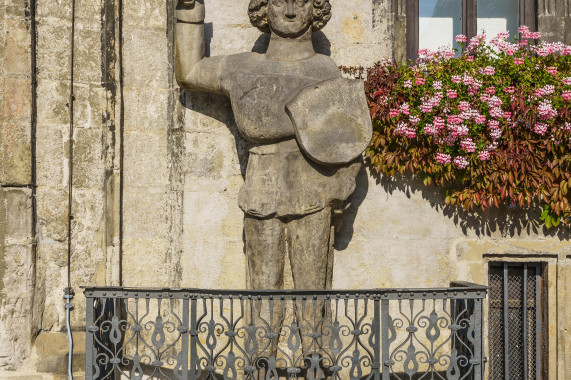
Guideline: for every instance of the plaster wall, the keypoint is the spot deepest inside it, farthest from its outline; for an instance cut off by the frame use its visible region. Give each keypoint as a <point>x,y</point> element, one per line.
<point>156,172</point>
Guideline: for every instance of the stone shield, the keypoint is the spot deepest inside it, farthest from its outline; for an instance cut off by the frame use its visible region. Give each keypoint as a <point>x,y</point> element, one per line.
<point>331,120</point>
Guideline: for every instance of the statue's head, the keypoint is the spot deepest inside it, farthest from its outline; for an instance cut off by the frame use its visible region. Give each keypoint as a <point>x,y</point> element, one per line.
<point>289,18</point>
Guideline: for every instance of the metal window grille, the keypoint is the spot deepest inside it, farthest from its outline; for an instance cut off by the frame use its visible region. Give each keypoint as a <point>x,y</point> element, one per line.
<point>517,306</point>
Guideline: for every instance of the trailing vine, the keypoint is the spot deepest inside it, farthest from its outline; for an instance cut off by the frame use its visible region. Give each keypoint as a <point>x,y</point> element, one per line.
<point>493,124</point>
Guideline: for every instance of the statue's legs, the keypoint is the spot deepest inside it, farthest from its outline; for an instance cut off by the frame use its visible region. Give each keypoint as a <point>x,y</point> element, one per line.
<point>308,240</point>
<point>265,249</point>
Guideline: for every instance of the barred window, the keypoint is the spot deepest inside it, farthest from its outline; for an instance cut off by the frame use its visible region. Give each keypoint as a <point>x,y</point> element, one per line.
<point>517,314</point>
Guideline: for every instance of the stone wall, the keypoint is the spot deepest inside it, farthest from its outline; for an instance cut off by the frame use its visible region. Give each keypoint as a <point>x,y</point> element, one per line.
<point>156,172</point>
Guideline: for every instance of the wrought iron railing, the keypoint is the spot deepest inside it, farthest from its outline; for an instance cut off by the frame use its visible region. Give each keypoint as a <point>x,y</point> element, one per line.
<point>219,334</point>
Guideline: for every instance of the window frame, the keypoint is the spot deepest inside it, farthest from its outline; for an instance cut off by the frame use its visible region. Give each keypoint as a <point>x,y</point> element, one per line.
<point>527,16</point>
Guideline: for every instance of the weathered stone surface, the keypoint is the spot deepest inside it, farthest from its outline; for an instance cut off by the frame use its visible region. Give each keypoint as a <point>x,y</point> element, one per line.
<point>16,144</point>
<point>53,348</point>
<point>181,222</point>
<point>324,130</point>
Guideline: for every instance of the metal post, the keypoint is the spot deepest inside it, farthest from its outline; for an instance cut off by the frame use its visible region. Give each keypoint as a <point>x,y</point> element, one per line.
<point>88,338</point>
<point>478,361</point>
<point>538,326</point>
<point>506,330</point>
<point>376,332</point>
<point>525,337</point>
<point>193,339</point>
<point>184,337</point>
<point>385,339</point>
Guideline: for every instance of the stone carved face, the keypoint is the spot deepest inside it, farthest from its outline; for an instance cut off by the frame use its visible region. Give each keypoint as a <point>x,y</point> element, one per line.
<point>290,18</point>
<point>259,14</point>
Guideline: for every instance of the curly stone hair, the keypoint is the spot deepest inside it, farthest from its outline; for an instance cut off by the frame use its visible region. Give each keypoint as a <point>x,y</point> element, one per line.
<point>258,12</point>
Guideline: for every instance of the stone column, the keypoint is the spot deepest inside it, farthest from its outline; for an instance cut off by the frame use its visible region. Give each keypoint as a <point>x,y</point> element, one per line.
<point>16,216</point>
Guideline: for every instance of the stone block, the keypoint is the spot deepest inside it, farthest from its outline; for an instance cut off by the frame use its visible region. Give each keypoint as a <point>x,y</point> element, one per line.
<point>53,96</point>
<point>90,105</point>
<point>147,213</point>
<point>17,47</point>
<point>50,155</point>
<point>17,99</point>
<point>17,153</point>
<point>224,13</point>
<point>59,9</point>
<point>147,110</point>
<point>53,353</point>
<point>18,215</point>
<point>52,213</point>
<point>15,7</point>
<point>53,47</point>
<point>146,60</point>
<point>88,170</point>
<point>212,155</point>
<point>146,159</point>
<point>87,59</point>
<point>147,260</point>
<point>145,14</point>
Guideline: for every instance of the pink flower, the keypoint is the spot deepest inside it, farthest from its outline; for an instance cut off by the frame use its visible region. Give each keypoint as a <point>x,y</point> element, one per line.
<point>507,115</point>
<point>451,94</point>
<point>496,112</point>
<point>484,155</point>
<point>414,120</point>
<point>489,70</point>
<point>430,130</point>
<point>566,81</point>
<point>484,98</point>
<point>566,95</point>
<point>419,81</point>
<point>495,101</point>
<point>495,133</point>
<point>493,124</point>
<point>523,29</point>
<point>567,126</point>
<point>540,128</point>
<point>480,119</point>
<point>467,145</point>
<point>407,84</point>
<point>426,107</point>
<point>461,38</point>
<point>405,109</point>
<point>509,90</point>
<point>460,162</point>
<point>552,70</point>
<point>546,110</point>
<point>491,90</point>
<point>470,58</point>
<point>439,122</point>
<point>437,85</point>
<point>443,158</point>
<point>394,112</point>
<point>464,106</point>
<point>518,61</point>
<point>456,78</point>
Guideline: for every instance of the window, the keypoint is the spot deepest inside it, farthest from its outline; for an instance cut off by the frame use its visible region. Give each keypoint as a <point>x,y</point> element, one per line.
<point>517,312</point>
<point>434,23</point>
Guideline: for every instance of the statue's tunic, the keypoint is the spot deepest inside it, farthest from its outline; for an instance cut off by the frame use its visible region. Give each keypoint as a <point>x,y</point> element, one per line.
<point>280,180</point>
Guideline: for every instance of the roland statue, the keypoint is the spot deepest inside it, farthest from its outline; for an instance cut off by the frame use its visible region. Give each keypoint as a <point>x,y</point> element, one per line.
<point>307,128</point>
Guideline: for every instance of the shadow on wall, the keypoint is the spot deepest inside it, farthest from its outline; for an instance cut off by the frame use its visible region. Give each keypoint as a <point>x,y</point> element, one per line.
<point>509,221</point>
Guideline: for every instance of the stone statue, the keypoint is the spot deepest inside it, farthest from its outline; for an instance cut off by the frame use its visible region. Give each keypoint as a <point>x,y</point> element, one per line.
<point>307,127</point>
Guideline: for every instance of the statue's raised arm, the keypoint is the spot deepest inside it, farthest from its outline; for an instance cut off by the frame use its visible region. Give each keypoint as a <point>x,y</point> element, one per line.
<point>193,70</point>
